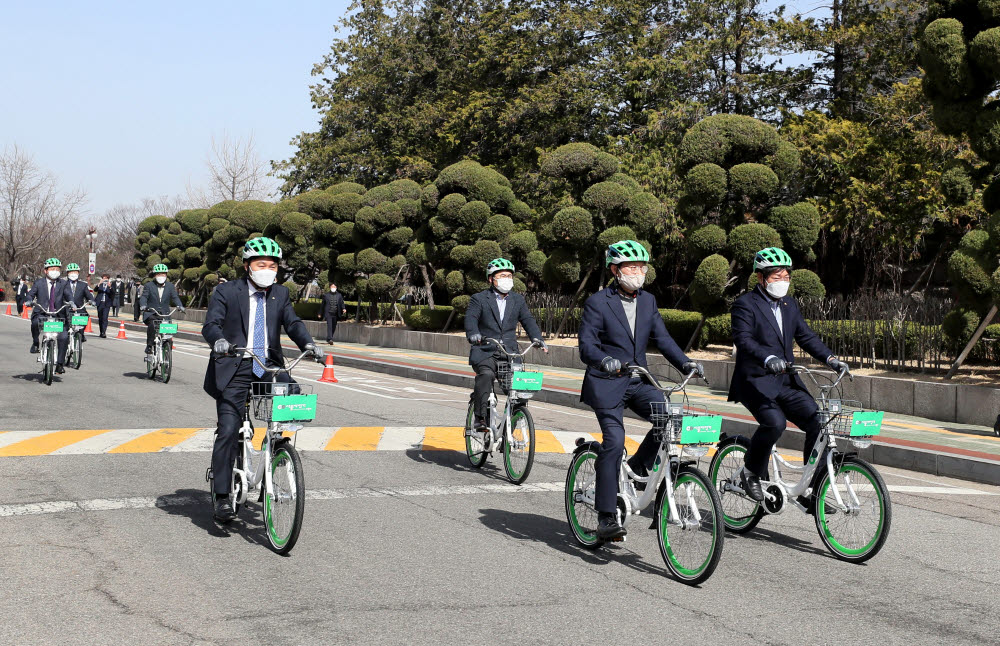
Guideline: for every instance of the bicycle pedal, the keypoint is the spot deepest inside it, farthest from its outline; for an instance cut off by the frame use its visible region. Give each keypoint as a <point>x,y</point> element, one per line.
<point>617,539</point>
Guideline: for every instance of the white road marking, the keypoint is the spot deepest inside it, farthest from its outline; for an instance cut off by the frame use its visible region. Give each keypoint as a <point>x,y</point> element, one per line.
<point>102,443</point>
<point>401,438</point>
<point>955,491</point>
<point>314,438</point>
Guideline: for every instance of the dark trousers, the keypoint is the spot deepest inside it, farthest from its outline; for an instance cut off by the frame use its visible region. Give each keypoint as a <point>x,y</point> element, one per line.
<point>638,397</point>
<point>135,310</point>
<point>20,307</point>
<point>151,328</point>
<point>792,405</point>
<point>62,341</point>
<point>331,327</point>
<point>486,372</point>
<point>102,318</point>
<point>114,307</point>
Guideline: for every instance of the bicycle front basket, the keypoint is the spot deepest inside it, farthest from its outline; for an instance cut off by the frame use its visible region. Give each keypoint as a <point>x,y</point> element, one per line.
<point>526,380</point>
<point>293,408</point>
<point>701,429</point>
<point>168,328</point>
<point>52,326</point>
<point>846,418</point>
<point>79,320</point>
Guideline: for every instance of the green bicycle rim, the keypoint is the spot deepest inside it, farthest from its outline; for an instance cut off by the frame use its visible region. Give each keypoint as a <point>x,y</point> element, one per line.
<point>735,523</point>
<point>476,457</point>
<point>268,510</point>
<point>821,513</point>
<point>514,473</point>
<point>665,524</point>
<point>577,528</point>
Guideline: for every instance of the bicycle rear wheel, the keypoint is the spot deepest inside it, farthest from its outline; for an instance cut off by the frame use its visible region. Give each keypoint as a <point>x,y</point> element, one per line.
<point>166,360</point>
<point>854,536</point>
<point>580,482</point>
<point>519,454</point>
<point>284,510</point>
<point>740,513</point>
<point>692,552</point>
<point>151,364</point>
<point>77,352</point>
<point>49,365</point>
<point>474,445</point>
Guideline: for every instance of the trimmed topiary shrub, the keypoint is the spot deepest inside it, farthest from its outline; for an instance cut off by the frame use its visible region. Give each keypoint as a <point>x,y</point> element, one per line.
<point>958,327</point>
<point>747,239</point>
<point>708,240</point>
<point>806,285</point>
<point>798,226</point>
<point>709,283</point>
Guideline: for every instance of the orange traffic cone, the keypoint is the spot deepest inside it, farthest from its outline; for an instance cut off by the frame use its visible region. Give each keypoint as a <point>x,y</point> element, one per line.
<point>88,329</point>
<point>328,376</point>
<point>8,310</point>
<point>121,330</point>
<point>26,313</point>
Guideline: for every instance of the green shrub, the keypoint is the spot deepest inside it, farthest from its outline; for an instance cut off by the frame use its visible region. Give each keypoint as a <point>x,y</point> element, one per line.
<point>431,320</point>
<point>968,275</point>
<point>943,57</point>
<point>473,215</point>
<point>606,197</point>
<point>806,285</point>
<point>522,243</point>
<point>717,330</point>
<point>755,183</point>
<point>461,303</point>
<point>613,235</point>
<point>747,239</point>
<point>451,205</point>
<point>974,242</point>
<point>579,161</point>
<point>535,262</point>
<point>380,284</point>
<point>709,239</point>
<point>709,282</point>
<point>984,50</point>
<point>707,184</point>
<point>785,162</point>
<point>798,225</point>
<point>727,140</point>
<point>498,227</point>
<point>957,185</point>
<point>680,324</point>
<point>645,211</point>
<point>958,327</point>
<point>573,226</point>
<point>346,188</point>
<point>561,267</point>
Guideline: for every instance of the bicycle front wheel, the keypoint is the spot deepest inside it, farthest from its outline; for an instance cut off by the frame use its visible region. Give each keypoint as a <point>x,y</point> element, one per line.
<point>519,452</point>
<point>740,513</point>
<point>581,480</point>
<point>858,534</point>
<point>283,511</point>
<point>475,448</point>
<point>692,548</point>
<point>151,365</point>
<point>166,361</point>
<point>49,364</point>
<point>77,352</point>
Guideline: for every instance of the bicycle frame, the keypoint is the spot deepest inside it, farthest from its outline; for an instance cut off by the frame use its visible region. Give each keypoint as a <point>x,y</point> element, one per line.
<point>45,337</point>
<point>160,338</point>
<point>513,400</point>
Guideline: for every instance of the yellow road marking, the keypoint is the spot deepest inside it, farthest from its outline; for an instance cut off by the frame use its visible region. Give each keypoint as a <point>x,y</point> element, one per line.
<point>355,438</point>
<point>156,441</point>
<point>47,443</point>
<point>943,431</point>
<point>444,438</point>
<point>630,445</point>
<point>546,442</point>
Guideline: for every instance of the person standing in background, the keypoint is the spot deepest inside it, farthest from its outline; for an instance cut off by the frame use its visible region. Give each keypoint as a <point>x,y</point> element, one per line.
<point>105,302</point>
<point>21,294</point>
<point>136,294</point>
<point>117,292</point>
<point>332,308</point>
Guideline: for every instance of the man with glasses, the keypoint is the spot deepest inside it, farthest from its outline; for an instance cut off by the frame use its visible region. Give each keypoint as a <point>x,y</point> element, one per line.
<point>618,323</point>
<point>766,322</point>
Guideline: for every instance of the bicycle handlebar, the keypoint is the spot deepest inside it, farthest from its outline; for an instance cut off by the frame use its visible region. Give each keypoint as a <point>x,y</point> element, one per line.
<point>35,304</point>
<point>802,370</point>
<point>157,314</point>
<point>271,371</point>
<point>510,355</point>
<point>669,390</point>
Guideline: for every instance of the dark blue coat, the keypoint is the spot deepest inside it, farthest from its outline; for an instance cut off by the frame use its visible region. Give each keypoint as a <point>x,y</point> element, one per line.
<point>605,332</point>
<point>39,292</point>
<point>78,296</point>
<point>756,335</point>
<point>227,317</point>
<point>483,318</point>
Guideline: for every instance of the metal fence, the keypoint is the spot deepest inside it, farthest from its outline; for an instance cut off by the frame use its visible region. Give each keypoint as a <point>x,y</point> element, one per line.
<point>549,309</point>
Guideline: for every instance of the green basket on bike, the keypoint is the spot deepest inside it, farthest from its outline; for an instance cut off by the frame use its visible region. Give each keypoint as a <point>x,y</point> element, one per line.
<point>52,326</point>
<point>79,320</point>
<point>681,423</point>
<point>275,401</point>
<point>848,419</point>
<point>518,378</point>
<point>168,328</point>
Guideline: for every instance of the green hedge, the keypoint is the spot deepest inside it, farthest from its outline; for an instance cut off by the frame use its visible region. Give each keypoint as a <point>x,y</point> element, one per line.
<point>431,320</point>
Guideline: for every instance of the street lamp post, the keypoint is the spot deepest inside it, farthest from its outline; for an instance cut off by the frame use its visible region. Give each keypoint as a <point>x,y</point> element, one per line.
<point>92,259</point>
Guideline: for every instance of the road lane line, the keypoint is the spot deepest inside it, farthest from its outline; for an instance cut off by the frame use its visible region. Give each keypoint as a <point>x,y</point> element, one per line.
<point>313,438</point>
<point>102,443</point>
<point>546,442</point>
<point>401,438</point>
<point>47,443</point>
<point>444,438</point>
<point>355,438</point>
<point>156,441</point>
<point>202,440</point>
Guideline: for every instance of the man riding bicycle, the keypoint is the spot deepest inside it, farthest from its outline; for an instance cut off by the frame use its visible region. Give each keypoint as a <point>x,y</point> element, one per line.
<point>618,324</point>
<point>245,313</point>
<point>765,323</point>
<point>48,293</point>
<point>77,293</point>
<point>158,295</point>
<point>494,314</point>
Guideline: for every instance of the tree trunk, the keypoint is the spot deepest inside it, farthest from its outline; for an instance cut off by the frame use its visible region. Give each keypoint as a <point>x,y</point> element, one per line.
<point>447,324</point>
<point>576,295</point>
<point>972,342</point>
<point>428,285</point>
<point>694,336</point>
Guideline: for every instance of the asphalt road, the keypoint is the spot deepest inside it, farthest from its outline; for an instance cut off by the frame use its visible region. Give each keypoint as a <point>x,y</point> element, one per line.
<point>415,547</point>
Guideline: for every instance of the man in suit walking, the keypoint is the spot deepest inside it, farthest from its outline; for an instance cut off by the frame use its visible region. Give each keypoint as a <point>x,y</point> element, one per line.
<point>48,294</point>
<point>766,323</point>
<point>77,292</point>
<point>137,289</point>
<point>246,313</point>
<point>618,324</point>
<point>332,309</point>
<point>494,314</point>
<point>21,294</point>
<point>158,295</point>
<point>117,294</point>
<point>105,302</point>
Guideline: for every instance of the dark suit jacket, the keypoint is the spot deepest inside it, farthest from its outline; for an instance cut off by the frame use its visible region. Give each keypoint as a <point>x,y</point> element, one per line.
<point>40,292</point>
<point>483,318</point>
<point>756,335</point>
<point>104,295</point>
<point>151,298</point>
<point>117,293</point>
<point>227,317</point>
<point>21,294</point>
<point>332,306</point>
<point>605,332</point>
<point>79,295</point>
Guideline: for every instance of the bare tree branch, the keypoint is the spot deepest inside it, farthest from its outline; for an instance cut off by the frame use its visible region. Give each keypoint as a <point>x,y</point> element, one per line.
<point>237,172</point>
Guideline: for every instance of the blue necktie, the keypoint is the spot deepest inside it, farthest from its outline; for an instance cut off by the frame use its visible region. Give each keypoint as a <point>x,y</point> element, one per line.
<point>258,333</point>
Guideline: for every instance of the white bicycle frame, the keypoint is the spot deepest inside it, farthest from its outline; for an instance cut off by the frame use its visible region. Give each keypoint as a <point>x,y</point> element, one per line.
<point>45,337</point>
<point>496,423</point>
<point>74,340</point>
<point>158,338</point>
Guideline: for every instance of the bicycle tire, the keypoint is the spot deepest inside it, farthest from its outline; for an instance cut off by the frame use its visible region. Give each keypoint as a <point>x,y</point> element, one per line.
<point>77,351</point>
<point>674,541</point>
<point>283,538</point>
<point>49,367</point>
<point>167,362</point>
<point>151,364</point>
<point>878,501</point>
<point>474,447</point>
<point>516,460</point>
<point>582,518</point>
<point>739,513</point>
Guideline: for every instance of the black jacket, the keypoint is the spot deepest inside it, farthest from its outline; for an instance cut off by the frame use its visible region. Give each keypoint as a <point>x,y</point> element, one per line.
<point>151,298</point>
<point>483,318</point>
<point>332,306</point>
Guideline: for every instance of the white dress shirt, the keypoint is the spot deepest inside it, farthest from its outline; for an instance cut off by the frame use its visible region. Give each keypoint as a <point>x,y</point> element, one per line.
<point>253,316</point>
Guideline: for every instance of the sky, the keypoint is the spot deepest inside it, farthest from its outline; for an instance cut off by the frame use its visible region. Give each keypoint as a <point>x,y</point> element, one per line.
<point>122,99</point>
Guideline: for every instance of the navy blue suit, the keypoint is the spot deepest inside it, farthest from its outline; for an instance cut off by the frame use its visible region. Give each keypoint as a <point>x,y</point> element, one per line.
<point>605,332</point>
<point>228,378</point>
<point>105,301</point>
<point>40,292</point>
<point>772,399</point>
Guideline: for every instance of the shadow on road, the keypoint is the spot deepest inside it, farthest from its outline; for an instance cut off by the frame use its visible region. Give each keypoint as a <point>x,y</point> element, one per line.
<point>771,536</point>
<point>136,375</point>
<point>458,461</point>
<point>554,533</point>
<point>196,506</point>
<point>33,376</point>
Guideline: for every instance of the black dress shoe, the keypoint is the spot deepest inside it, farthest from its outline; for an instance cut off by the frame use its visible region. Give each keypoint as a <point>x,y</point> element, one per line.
<point>60,369</point>
<point>104,336</point>
<point>83,339</point>
<point>751,485</point>
<point>638,469</point>
<point>34,349</point>
<point>479,424</point>
<point>608,527</point>
<point>224,510</point>
<point>996,427</point>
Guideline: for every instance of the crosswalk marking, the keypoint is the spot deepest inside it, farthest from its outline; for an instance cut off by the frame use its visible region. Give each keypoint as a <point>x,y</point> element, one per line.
<point>401,438</point>
<point>444,438</point>
<point>156,441</point>
<point>356,438</point>
<point>47,443</point>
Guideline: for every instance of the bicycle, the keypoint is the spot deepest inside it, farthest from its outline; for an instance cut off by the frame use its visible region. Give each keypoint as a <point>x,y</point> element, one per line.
<point>52,325</point>
<point>512,431</point>
<point>74,350</point>
<point>277,463</point>
<point>852,517</point>
<point>687,510</point>
<point>162,358</point>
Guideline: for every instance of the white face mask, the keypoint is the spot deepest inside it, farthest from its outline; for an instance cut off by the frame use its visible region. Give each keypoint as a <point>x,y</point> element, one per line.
<point>631,282</point>
<point>73,275</point>
<point>778,289</point>
<point>504,285</point>
<point>53,273</point>
<point>333,290</point>
<point>161,280</point>
<point>263,278</point>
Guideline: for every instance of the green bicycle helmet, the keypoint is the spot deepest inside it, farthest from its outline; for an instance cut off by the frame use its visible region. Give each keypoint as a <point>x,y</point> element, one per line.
<point>53,262</point>
<point>499,264</point>
<point>261,248</point>
<point>159,269</point>
<point>72,267</point>
<point>625,251</point>
<point>771,257</point>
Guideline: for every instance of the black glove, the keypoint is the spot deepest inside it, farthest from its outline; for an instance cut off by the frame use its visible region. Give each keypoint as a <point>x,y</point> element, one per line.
<point>541,344</point>
<point>694,365</point>
<point>476,339</point>
<point>181,308</point>
<point>222,347</point>
<point>837,364</point>
<point>776,365</point>
<point>610,365</point>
